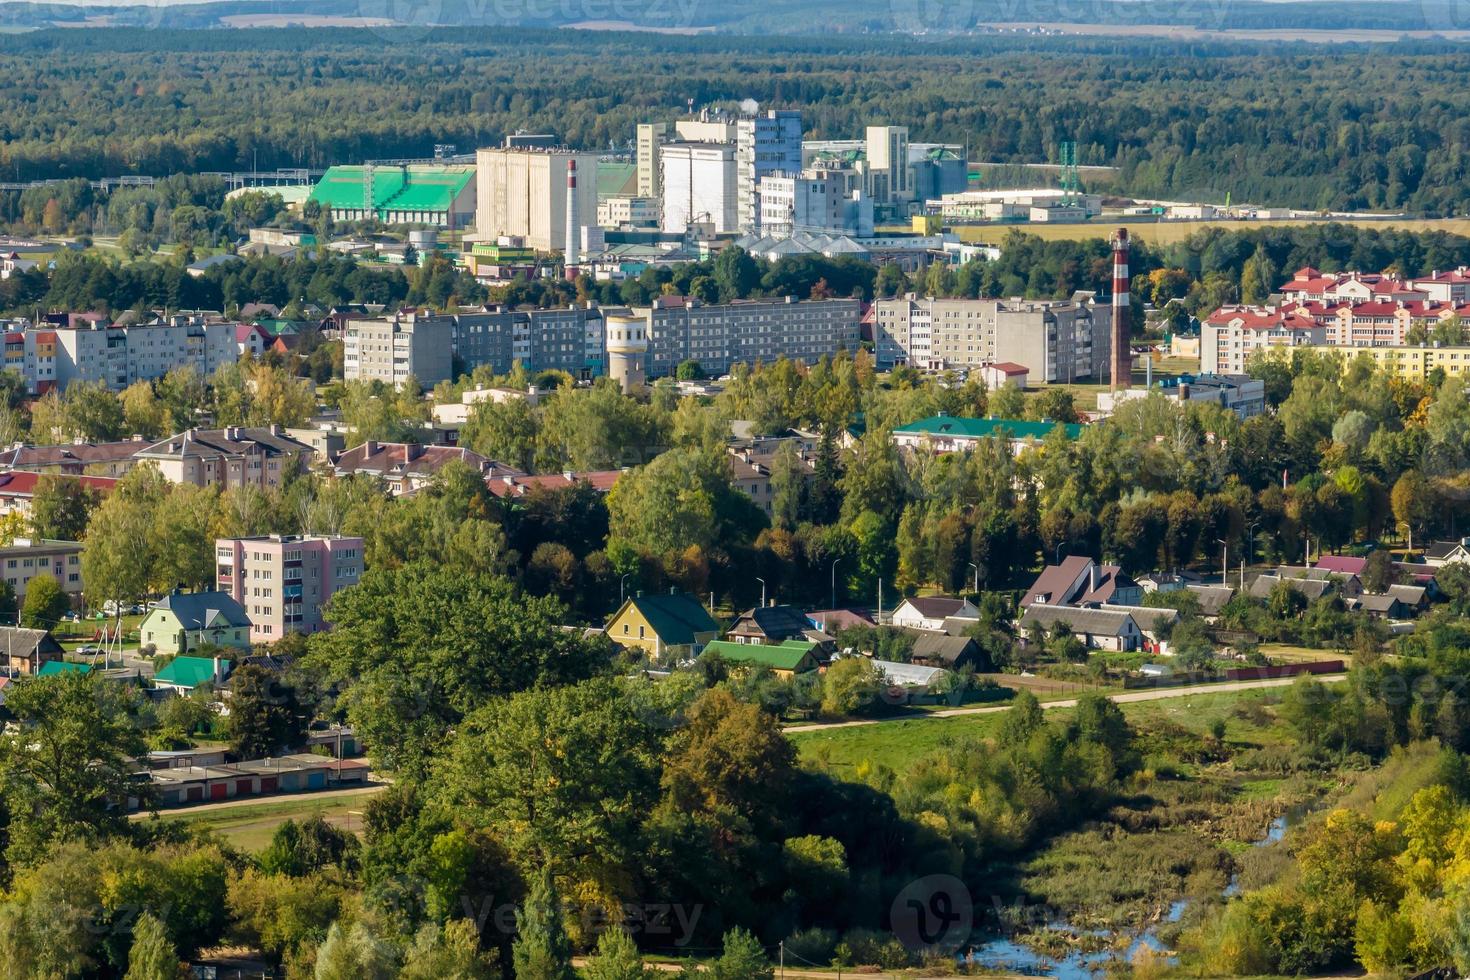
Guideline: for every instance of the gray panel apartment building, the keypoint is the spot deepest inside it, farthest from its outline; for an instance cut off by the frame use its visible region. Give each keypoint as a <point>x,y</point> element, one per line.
<point>721,336</point>
<point>1059,341</point>
<point>567,340</point>
<point>390,349</point>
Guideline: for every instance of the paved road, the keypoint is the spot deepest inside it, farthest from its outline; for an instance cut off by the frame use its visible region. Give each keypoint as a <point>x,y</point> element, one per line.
<point>1126,697</point>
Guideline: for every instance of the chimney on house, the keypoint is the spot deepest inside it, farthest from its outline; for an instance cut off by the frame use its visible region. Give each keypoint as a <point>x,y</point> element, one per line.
<point>1091,576</point>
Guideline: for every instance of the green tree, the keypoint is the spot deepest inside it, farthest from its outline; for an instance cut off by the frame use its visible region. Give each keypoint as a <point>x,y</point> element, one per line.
<point>60,506</point>
<point>743,958</point>
<point>616,958</point>
<point>153,956</point>
<point>450,952</point>
<point>265,715</point>
<point>69,763</point>
<point>542,950</point>
<point>355,954</point>
<point>849,686</point>
<point>45,603</point>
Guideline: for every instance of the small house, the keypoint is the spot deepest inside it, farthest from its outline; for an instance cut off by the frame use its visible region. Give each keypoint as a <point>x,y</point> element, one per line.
<point>185,674</point>
<point>666,627</point>
<point>930,612</point>
<point>184,621</point>
<point>26,651</point>
<point>1098,629</point>
<point>785,660</point>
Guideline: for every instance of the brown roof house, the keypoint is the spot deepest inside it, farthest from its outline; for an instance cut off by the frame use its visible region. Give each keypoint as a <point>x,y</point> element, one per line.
<point>1080,581</point>
<point>930,612</point>
<point>27,651</point>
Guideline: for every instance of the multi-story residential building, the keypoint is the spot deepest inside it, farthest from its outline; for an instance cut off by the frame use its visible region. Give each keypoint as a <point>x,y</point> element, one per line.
<point>1412,363</point>
<point>86,347</point>
<point>25,558</point>
<point>229,457</point>
<point>110,459</point>
<point>406,467</point>
<point>719,336</point>
<point>1448,286</point>
<point>283,581</point>
<point>1308,284</point>
<point>700,186</point>
<point>567,340</point>
<point>392,349</point>
<point>1231,334</point>
<point>18,489</point>
<point>523,193</point>
<point>765,144</point>
<point>1058,342</point>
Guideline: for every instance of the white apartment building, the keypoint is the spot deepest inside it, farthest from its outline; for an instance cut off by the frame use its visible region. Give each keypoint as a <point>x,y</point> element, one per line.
<point>699,186</point>
<point>1056,341</point>
<point>25,558</point>
<point>91,350</point>
<point>283,581</point>
<point>391,349</point>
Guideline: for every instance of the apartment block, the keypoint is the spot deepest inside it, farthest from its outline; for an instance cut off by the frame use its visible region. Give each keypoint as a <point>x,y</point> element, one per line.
<point>1230,335</point>
<point>283,581</point>
<point>234,456</point>
<point>86,347</point>
<point>720,336</point>
<point>393,349</point>
<point>25,558</point>
<point>1057,341</point>
<point>567,340</point>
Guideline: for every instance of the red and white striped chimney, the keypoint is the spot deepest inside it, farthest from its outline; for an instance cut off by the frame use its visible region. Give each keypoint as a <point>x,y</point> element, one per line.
<point>570,254</point>
<point>1122,368</point>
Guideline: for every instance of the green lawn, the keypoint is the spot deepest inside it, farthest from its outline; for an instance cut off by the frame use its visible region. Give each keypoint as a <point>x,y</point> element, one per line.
<point>250,825</point>
<point>897,744</point>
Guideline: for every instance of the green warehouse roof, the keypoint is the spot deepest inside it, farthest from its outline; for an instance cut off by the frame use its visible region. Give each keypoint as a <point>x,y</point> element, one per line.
<point>419,188</point>
<point>616,179</point>
<point>54,667</point>
<point>955,426</point>
<point>780,656</point>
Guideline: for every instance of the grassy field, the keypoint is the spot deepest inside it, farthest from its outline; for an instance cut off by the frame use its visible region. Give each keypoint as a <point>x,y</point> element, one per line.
<point>896,744</point>
<point>1170,232</point>
<point>249,824</point>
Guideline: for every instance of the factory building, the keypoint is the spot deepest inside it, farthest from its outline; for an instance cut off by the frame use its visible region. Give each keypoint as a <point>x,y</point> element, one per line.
<point>523,194</point>
<point>1058,342</point>
<point>442,196</point>
<point>700,187</point>
<point>822,202</point>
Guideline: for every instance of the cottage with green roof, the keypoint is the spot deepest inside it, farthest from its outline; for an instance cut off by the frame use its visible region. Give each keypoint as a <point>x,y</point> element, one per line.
<point>785,660</point>
<point>184,674</point>
<point>667,627</point>
<point>440,195</point>
<point>953,433</point>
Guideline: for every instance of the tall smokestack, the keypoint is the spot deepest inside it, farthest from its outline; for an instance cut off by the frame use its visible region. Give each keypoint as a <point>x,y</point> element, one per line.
<point>570,255</point>
<point>1122,371</point>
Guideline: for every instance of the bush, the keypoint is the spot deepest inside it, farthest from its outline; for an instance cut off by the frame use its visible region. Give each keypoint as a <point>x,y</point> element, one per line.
<point>815,946</point>
<point>864,947</point>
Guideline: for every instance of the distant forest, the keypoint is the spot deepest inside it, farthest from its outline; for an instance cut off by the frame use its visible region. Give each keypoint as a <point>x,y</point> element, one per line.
<point>1313,127</point>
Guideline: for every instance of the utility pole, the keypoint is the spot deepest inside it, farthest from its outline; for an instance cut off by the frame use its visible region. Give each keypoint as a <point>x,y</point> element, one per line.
<point>783,959</point>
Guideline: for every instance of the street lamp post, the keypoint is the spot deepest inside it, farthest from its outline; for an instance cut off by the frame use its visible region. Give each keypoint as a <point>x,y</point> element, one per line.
<point>977,579</point>
<point>1224,560</point>
<point>763,590</point>
<point>621,582</point>
<point>1410,528</point>
<point>834,581</point>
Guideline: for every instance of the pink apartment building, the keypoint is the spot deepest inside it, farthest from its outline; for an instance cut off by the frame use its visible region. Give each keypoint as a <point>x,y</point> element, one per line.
<point>283,580</point>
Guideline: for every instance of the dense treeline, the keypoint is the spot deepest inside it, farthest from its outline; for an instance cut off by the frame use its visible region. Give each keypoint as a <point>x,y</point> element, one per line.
<point>1306,128</point>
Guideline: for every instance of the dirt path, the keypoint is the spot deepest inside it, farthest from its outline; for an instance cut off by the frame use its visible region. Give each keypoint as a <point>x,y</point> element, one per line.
<point>1127,697</point>
<point>275,799</point>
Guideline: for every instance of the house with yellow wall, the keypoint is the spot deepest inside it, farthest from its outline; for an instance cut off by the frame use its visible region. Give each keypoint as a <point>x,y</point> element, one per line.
<point>666,627</point>
<point>785,659</point>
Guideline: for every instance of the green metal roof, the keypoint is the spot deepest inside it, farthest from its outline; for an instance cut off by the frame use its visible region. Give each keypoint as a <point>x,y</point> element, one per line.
<point>187,671</point>
<point>53,667</point>
<point>616,179</point>
<point>417,188</point>
<point>674,618</point>
<point>966,428</point>
<point>782,656</point>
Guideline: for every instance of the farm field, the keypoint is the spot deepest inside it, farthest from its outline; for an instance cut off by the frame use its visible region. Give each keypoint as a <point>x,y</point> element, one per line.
<point>1170,232</point>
